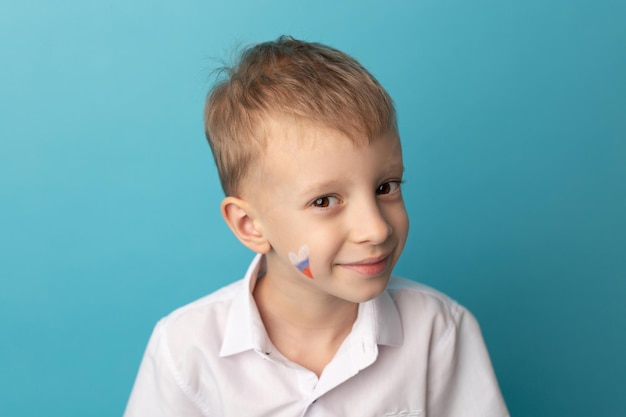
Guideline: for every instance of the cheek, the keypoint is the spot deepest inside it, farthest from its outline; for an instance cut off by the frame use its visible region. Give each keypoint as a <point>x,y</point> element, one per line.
<point>308,245</point>
<point>301,260</point>
<point>405,224</point>
<point>314,256</point>
<point>325,245</point>
<point>399,220</point>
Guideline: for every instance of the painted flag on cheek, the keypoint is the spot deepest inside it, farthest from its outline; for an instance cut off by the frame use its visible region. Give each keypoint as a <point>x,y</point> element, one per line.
<point>301,261</point>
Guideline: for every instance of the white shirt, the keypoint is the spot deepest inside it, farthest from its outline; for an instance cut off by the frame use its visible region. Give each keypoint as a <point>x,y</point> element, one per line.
<point>411,352</point>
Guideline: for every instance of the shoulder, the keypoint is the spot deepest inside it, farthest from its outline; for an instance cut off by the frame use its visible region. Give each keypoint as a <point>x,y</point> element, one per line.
<point>444,338</point>
<point>206,316</point>
<point>423,308</point>
<point>411,294</point>
<point>222,295</point>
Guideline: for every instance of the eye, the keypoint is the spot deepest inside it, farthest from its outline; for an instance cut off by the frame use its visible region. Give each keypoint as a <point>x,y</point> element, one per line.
<point>388,187</point>
<point>325,202</point>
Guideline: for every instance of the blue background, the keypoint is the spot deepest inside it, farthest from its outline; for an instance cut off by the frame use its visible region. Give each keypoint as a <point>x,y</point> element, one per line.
<point>513,119</point>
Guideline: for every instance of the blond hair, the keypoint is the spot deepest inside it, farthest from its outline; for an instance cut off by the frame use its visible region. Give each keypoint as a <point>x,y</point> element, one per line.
<point>308,81</point>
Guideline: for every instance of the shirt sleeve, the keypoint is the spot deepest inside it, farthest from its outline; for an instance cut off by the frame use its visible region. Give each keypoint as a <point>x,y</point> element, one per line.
<point>159,389</point>
<point>461,378</point>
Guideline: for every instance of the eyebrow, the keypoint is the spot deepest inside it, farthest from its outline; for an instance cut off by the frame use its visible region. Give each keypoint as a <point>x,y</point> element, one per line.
<point>324,187</point>
<point>399,166</point>
<point>319,188</point>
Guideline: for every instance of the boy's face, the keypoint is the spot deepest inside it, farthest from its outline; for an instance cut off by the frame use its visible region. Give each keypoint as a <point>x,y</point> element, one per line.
<point>321,198</point>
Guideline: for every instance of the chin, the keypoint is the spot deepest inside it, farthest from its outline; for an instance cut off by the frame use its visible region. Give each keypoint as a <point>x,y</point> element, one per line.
<point>371,291</point>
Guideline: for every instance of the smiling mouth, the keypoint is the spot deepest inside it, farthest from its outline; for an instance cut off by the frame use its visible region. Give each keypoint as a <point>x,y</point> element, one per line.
<point>369,267</point>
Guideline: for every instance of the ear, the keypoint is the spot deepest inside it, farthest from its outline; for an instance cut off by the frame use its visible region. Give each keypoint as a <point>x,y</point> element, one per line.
<point>242,220</point>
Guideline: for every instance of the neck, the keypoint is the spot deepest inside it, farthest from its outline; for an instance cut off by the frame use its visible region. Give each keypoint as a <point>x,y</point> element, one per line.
<point>306,329</point>
<point>292,308</point>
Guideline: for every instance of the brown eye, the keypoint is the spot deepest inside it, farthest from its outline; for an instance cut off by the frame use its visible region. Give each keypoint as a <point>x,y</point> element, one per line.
<point>388,187</point>
<point>322,202</point>
<point>383,188</point>
<point>325,202</point>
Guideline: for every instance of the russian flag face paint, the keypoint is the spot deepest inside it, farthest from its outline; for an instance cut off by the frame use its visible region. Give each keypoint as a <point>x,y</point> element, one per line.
<point>301,261</point>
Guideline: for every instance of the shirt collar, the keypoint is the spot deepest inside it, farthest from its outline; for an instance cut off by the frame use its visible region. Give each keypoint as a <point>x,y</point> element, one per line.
<point>244,327</point>
<point>378,321</point>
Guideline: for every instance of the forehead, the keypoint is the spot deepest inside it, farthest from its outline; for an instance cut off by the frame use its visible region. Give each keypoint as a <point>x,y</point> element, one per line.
<point>323,152</point>
<point>298,153</point>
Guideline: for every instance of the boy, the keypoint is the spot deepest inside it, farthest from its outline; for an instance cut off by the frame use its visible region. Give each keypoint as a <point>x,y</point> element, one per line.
<point>308,153</point>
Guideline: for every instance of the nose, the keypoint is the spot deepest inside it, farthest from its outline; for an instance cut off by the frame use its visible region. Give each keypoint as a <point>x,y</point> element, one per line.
<point>369,224</point>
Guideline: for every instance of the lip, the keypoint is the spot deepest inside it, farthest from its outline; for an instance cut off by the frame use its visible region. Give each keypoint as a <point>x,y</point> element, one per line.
<point>369,266</point>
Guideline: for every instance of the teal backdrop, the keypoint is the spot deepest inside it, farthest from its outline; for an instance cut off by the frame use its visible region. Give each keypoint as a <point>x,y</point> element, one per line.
<point>513,121</point>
